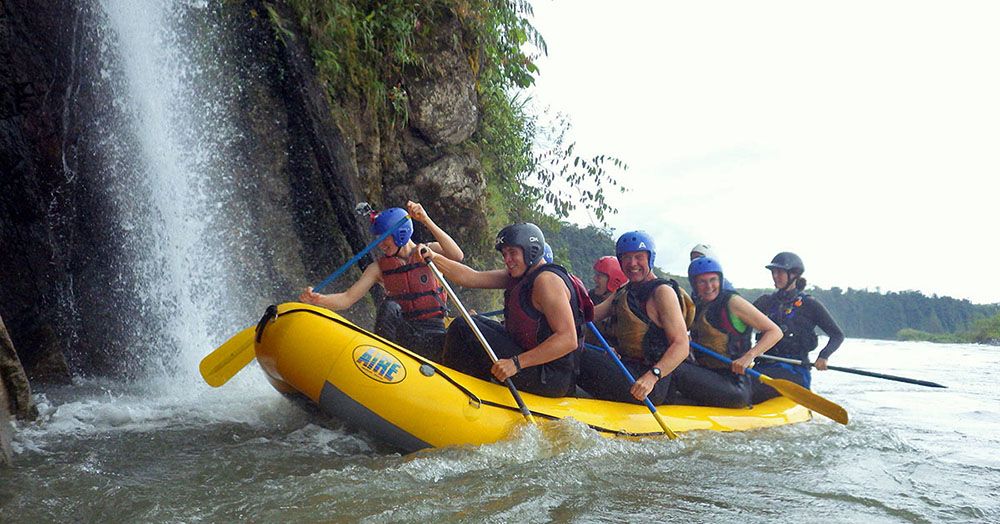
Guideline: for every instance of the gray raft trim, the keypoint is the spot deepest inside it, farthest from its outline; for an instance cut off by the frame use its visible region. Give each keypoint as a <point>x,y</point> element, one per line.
<point>336,403</point>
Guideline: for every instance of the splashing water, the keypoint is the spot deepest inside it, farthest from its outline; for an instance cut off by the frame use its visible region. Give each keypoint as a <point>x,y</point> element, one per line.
<point>169,448</point>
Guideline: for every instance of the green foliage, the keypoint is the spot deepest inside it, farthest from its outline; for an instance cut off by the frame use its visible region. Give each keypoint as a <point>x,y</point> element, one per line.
<point>361,48</point>
<point>529,166</point>
<point>985,331</point>
<point>532,171</point>
<point>365,49</point>
<point>577,248</point>
<point>909,334</point>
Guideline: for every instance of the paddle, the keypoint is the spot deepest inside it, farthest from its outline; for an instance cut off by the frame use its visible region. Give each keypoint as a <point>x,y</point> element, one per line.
<point>859,372</point>
<point>479,335</point>
<point>631,380</point>
<point>233,355</point>
<point>789,390</point>
<point>228,359</point>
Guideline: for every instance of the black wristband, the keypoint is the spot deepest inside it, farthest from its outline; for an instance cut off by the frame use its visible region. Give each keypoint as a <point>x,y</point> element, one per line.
<point>517,362</point>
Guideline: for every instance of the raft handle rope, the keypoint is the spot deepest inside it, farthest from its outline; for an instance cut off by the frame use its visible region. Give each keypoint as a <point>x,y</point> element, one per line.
<point>473,398</point>
<point>270,315</point>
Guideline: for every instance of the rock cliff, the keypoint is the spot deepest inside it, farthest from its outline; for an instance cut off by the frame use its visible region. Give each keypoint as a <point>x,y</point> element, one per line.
<point>304,158</point>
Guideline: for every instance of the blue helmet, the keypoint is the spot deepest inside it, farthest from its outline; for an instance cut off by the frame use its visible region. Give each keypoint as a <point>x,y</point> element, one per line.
<point>636,241</point>
<point>547,254</point>
<point>700,266</point>
<point>388,218</point>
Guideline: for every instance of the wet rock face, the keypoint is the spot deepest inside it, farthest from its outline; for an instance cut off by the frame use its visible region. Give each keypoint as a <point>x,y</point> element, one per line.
<point>303,164</point>
<point>443,104</point>
<point>453,191</point>
<point>34,53</point>
<point>15,393</point>
<point>5,430</point>
<point>431,159</point>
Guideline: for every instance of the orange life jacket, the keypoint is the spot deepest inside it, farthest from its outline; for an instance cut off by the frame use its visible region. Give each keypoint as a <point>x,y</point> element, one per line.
<point>411,283</point>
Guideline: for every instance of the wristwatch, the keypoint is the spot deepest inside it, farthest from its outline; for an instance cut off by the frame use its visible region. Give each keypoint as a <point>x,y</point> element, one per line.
<point>656,373</point>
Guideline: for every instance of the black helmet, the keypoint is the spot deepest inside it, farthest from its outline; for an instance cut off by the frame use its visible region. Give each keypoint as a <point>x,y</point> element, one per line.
<point>788,261</point>
<point>526,236</point>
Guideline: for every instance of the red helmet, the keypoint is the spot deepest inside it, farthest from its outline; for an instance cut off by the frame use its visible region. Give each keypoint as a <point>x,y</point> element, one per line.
<point>610,267</point>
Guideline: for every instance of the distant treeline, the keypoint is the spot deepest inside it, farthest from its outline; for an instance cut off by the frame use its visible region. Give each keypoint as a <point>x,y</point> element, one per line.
<point>908,315</point>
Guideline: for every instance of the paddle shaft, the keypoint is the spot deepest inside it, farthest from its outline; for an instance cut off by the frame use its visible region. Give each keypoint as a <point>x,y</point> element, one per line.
<point>482,339</point>
<point>858,372</point>
<point>631,380</point>
<point>228,359</point>
<point>788,389</point>
<point>360,254</point>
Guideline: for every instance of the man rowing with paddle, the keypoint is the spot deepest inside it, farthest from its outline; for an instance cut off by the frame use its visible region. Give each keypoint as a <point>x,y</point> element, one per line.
<point>544,307</point>
<point>413,312</point>
<point>647,324</point>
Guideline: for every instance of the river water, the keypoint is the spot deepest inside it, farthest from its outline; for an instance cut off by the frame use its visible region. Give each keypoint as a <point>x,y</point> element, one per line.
<point>172,449</point>
<point>167,448</point>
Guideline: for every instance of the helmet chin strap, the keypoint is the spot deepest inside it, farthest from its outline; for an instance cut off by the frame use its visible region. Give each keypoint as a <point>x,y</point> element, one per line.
<point>791,281</point>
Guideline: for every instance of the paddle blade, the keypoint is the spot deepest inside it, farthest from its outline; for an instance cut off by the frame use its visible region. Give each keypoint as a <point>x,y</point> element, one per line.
<point>228,359</point>
<point>663,425</point>
<point>806,398</point>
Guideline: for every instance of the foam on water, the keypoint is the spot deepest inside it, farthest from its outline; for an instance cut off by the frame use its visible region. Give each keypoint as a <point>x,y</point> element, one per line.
<point>167,447</point>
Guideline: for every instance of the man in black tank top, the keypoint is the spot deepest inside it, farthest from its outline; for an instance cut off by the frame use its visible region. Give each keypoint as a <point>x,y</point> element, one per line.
<point>537,346</point>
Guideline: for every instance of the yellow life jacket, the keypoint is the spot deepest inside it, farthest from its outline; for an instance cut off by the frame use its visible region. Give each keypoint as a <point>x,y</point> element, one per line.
<point>715,328</point>
<point>629,323</point>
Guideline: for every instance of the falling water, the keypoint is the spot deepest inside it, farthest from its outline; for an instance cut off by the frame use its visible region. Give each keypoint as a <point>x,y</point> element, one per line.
<point>170,449</point>
<point>168,157</point>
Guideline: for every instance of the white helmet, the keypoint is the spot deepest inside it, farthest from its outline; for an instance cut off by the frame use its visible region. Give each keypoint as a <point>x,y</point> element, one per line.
<point>704,250</point>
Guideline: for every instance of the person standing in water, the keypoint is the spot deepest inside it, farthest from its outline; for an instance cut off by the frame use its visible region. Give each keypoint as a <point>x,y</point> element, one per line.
<point>798,315</point>
<point>412,314</point>
<point>724,323</point>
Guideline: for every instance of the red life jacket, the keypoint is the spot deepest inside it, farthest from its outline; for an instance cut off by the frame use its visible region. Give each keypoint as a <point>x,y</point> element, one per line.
<point>526,324</point>
<point>412,284</point>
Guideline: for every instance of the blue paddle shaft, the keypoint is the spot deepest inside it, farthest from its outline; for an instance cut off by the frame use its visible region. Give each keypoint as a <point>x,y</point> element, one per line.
<point>607,349</point>
<point>749,371</point>
<point>360,254</point>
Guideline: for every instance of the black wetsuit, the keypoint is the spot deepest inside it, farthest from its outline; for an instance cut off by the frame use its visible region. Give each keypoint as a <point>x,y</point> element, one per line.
<point>798,315</point>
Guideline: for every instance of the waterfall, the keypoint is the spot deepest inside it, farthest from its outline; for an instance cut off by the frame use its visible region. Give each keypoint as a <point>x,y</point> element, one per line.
<point>166,168</point>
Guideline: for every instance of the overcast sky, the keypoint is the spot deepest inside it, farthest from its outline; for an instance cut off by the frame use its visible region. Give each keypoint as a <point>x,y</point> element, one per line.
<point>864,136</point>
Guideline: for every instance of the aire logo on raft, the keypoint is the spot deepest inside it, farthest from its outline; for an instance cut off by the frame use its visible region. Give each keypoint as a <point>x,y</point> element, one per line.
<point>379,365</point>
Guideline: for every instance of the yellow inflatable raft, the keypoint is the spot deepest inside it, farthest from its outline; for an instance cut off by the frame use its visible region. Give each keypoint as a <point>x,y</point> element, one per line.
<point>414,403</point>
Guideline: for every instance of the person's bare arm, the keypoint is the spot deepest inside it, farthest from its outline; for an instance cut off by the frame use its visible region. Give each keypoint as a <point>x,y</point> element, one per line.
<point>602,310</point>
<point>463,275</point>
<point>445,245</point>
<point>345,299</point>
<point>770,333</point>
<point>551,297</point>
